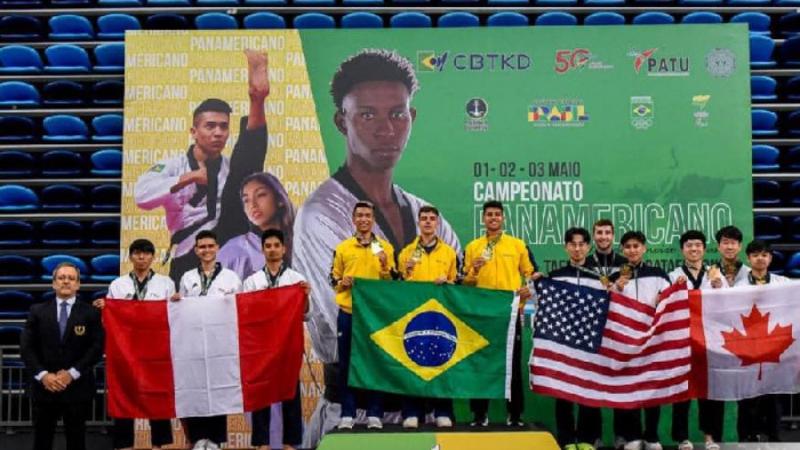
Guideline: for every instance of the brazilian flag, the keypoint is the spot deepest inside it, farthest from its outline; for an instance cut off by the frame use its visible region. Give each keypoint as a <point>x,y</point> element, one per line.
<point>431,340</point>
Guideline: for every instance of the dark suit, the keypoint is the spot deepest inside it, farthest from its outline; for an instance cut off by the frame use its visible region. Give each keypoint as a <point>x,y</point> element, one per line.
<point>44,350</point>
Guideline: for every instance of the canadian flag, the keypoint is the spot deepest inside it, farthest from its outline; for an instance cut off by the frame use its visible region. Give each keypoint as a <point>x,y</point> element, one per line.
<point>744,341</point>
<point>203,356</point>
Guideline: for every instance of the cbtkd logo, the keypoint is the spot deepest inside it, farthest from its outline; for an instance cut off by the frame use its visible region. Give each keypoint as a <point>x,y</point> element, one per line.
<point>430,61</point>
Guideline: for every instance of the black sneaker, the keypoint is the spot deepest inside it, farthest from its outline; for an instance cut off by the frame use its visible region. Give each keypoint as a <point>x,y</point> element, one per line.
<point>480,421</point>
<point>514,421</point>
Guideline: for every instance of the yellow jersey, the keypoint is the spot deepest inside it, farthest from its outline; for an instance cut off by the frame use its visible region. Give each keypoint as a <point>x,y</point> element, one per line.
<point>353,259</point>
<point>509,265</point>
<point>439,262</point>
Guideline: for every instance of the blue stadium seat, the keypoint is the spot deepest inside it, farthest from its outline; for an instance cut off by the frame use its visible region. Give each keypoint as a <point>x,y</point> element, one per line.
<point>9,336</point>
<point>105,268</point>
<point>765,158</point>
<point>63,92</point>
<point>757,22</point>
<point>15,304</point>
<point>313,20</point>
<point>20,27</point>
<point>764,122</point>
<point>107,163</point>
<point>264,21</point>
<point>793,266</point>
<point>362,3</point>
<point>204,3</point>
<point>653,18</point>
<point>792,160</point>
<point>70,3</point>
<point>62,232</point>
<point>766,193</point>
<point>700,17</point>
<point>21,3</point>
<point>15,233</point>
<point>61,163</point>
<point>791,89</point>
<point>556,18</point>
<point>767,227</point>
<point>215,21</point>
<point>49,264</point>
<point>556,2</point>
<point>108,92</point>
<point>762,88</point>
<point>507,3</point>
<point>166,21</point>
<point>314,2</point>
<point>761,48</point>
<point>107,128</point>
<point>14,163</point>
<point>64,128</point>
<point>789,24</point>
<point>110,57</point>
<point>778,264</point>
<point>66,58</point>
<point>458,19</point>
<point>119,3</point>
<point>16,129</point>
<point>62,197</point>
<point>790,52</point>
<point>70,27</point>
<point>794,228</point>
<point>169,3</point>
<point>15,198</point>
<point>265,2</point>
<point>106,197</point>
<point>410,19</point>
<point>786,2</point>
<point>604,3</point>
<point>507,19</point>
<point>604,18</point>
<point>18,93</point>
<point>361,19</point>
<point>114,26</point>
<point>794,193</point>
<point>749,3</point>
<point>105,232</point>
<point>19,59</point>
<point>792,123</point>
<point>16,269</point>
<point>700,3</point>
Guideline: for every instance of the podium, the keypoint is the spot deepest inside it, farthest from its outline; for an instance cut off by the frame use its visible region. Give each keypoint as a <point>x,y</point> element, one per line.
<point>440,440</point>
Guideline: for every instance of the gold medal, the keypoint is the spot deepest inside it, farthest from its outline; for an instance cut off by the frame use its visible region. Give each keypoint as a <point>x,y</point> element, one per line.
<point>626,271</point>
<point>604,280</point>
<point>487,253</point>
<point>376,247</point>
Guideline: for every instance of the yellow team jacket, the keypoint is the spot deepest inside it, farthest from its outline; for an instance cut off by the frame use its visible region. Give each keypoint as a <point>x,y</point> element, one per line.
<point>440,262</point>
<point>355,260</point>
<point>510,264</point>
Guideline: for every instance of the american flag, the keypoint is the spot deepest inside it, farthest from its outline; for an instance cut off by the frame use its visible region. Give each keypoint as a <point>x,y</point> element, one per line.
<point>603,349</point>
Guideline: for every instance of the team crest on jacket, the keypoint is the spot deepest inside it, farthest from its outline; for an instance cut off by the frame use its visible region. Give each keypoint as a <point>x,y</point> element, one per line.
<point>80,330</point>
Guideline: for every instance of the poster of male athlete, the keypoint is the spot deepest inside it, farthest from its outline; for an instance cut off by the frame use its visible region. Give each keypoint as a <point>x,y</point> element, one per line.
<point>243,131</point>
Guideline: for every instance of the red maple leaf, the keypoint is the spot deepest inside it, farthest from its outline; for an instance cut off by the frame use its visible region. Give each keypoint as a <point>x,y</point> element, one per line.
<point>758,345</point>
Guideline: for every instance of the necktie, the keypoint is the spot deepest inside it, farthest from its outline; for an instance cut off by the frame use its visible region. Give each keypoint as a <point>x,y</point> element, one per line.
<point>62,319</point>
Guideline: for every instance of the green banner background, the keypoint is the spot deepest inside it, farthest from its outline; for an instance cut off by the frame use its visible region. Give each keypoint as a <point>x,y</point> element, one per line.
<point>690,168</point>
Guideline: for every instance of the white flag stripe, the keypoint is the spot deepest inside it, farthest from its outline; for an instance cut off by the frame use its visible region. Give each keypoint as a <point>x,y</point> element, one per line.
<point>635,334</point>
<point>627,397</point>
<point>669,336</point>
<point>204,342</point>
<point>611,380</point>
<point>614,364</point>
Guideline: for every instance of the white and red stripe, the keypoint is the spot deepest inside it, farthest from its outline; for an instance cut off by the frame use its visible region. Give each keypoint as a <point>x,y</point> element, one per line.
<point>644,357</point>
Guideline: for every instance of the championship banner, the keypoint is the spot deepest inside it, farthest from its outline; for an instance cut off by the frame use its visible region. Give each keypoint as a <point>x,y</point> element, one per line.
<point>646,126</point>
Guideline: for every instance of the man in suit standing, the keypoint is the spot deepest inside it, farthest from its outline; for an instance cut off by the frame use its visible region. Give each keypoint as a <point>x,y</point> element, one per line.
<point>61,344</point>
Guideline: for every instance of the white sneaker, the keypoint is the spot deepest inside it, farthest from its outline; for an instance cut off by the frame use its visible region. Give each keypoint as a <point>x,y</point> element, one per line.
<point>633,445</point>
<point>205,444</point>
<point>374,423</point>
<point>444,422</point>
<point>653,446</point>
<point>711,445</point>
<point>619,442</point>
<point>411,422</point>
<point>686,445</point>
<point>346,423</point>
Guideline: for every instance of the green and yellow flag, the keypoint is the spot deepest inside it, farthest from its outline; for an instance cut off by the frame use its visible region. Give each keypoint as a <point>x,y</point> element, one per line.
<point>432,340</point>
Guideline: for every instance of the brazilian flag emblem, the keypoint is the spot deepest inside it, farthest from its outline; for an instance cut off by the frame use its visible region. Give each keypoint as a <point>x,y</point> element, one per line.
<point>433,341</point>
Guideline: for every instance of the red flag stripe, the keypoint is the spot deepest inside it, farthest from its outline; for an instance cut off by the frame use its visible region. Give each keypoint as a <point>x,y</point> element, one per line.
<point>664,346</point>
<point>660,328</point>
<point>609,388</point>
<point>628,322</point>
<point>545,390</point>
<point>698,384</point>
<point>608,371</point>
<point>633,304</point>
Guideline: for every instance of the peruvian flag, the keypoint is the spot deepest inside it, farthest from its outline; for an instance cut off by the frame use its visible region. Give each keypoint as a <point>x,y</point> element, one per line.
<point>203,356</point>
<point>744,341</point>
